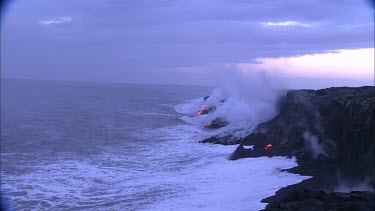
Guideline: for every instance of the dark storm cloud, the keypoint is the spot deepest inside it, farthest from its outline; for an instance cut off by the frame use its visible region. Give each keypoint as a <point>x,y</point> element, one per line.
<point>130,40</point>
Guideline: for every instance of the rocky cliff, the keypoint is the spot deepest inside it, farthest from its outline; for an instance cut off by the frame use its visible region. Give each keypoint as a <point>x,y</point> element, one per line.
<point>330,131</point>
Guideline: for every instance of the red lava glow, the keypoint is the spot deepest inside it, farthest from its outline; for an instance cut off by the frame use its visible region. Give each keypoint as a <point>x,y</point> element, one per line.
<point>268,147</point>
<point>201,110</point>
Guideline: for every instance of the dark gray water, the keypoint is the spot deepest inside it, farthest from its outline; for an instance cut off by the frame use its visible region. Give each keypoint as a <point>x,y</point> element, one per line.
<point>81,118</point>
<point>74,146</point>
<point>44,123</point>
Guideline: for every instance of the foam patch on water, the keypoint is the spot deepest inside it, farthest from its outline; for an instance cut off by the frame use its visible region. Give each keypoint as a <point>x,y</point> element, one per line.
<point>173,173</point>
<point>159,169</point>
<point>212,182</point>
<point>231,185</point>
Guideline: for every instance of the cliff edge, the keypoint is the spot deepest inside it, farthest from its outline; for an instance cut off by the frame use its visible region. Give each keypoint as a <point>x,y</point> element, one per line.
<point>330,131</point>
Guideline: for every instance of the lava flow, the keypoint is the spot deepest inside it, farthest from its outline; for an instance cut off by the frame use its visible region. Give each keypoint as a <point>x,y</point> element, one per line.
<point>269,146</point>
<point>202,109</point>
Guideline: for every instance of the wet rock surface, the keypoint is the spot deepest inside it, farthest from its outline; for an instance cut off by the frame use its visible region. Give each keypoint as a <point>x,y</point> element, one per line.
<point>320,200</point>
<point>241,152</point>
<point>330,131</point>
<point>206,109</point>
<point>217,123</point>
<point>334,125</point>
<point>224,140</point>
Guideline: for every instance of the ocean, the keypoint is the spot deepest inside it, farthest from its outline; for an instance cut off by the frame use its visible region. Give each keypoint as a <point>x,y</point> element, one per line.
<point>103,146</point>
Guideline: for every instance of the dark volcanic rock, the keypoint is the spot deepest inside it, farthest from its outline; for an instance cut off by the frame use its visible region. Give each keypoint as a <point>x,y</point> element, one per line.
<point>334,125</point>
<point>206,109</point>
<point>331,132</point>
<point>224,140</point>
<point>320,200</point>
<point>217,123</point>
<point>241,152</point>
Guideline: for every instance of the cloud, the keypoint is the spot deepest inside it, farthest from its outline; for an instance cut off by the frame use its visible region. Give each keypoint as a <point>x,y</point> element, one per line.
<point>56,20</point>
<point>285,23</point>
<point>152,36</point>
<point>354,64</point>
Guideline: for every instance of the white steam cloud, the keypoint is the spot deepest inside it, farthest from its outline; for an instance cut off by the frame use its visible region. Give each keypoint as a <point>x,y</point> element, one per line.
<point>346,187</point>
<point>243,100</point>
<point>313,141</point>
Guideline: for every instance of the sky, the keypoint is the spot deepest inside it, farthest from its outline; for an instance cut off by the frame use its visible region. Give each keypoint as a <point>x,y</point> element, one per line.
<point>188,41</point>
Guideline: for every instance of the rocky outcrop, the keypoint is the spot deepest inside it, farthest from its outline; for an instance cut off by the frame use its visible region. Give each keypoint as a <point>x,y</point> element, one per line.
<point>320,200</point>
<point>206,109</point>
<point>323,126</point>
<point>217,123</point>
<point>224,140</point>
<point>242,152</point>
<point>330,131</point>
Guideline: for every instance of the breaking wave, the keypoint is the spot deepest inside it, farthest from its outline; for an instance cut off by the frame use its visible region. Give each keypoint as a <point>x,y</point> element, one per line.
<point>148,158</point>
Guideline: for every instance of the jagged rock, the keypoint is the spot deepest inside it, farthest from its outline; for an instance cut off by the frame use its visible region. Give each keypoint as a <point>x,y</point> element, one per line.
<point>217,123</point>
<point>334,125</point>
<point>224,140</point>
<point>241,152</point>
<point>206,109</point>
<point>330,131</point>
<point>320,200</point>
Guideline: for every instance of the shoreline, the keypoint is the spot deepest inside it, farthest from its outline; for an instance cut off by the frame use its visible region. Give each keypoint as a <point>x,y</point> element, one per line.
<point>331,133</point>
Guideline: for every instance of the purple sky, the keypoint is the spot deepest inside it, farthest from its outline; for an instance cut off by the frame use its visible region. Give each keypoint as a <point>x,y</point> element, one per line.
<point>171,42</point>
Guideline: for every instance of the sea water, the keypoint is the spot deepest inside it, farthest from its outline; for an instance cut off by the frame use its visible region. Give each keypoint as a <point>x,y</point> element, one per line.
<point>102,146</point>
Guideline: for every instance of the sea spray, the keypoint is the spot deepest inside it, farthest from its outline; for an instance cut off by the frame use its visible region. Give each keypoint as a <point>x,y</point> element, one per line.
<point>243,100</point>
<point>123,147</point>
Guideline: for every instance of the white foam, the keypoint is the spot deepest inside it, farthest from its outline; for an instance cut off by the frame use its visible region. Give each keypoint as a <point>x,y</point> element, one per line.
<point>230,185</point>
<point>172,173</point>
<point>248,147</point>
<point>215,183</point>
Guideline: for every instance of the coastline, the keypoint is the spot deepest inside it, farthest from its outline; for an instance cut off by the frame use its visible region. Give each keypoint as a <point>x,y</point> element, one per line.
<point>331,133</point>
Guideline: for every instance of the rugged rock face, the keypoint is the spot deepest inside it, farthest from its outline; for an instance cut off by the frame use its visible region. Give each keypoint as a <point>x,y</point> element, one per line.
<point>330,131</point>
<point>320,200</point>
<point>224,140</point>
<point>328,125</point>
<point>206,109</point>
<point>217,123</point>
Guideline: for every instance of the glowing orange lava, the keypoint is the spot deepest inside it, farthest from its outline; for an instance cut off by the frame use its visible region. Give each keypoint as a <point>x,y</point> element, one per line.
<point>202,109</point>
<point>268,147</point>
